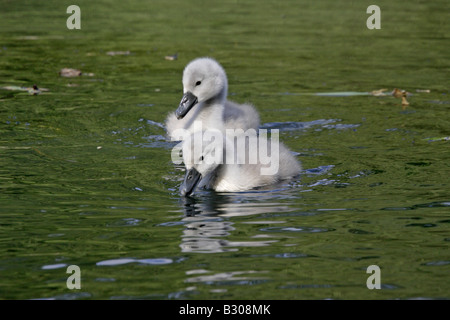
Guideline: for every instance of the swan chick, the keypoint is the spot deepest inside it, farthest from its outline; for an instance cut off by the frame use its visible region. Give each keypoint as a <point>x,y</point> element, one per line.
<point>205,89</point>
<point>235,162</point>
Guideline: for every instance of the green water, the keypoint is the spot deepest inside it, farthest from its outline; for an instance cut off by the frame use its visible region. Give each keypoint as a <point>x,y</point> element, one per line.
<point>86,177</point>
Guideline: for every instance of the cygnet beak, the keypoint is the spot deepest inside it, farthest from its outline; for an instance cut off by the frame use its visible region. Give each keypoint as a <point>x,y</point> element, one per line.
<point>191,179</point>
<point>186,104</point>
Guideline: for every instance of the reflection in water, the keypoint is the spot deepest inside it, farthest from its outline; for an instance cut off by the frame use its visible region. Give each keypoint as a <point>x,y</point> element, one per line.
<point>207,226</point>
<point>205,215</point>
<point>235,277</point>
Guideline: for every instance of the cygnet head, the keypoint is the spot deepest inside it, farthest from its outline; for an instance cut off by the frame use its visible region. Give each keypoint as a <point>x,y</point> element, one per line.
<point>203,79</point>
<point>203,152</point>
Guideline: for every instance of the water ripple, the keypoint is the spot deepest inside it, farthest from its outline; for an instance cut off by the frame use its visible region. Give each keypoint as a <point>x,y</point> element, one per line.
<point>126,222</point>
<point>69,296</point>
<point>297,229</point>
<point>284,255</point>
<point>437,263</point>
<point>234,277</point>
<point>305,286</point>
<point>54,266</point>
<point>319,170</point>
<point>293,125</point>
<point>121,261</point>
<point>438,204</point>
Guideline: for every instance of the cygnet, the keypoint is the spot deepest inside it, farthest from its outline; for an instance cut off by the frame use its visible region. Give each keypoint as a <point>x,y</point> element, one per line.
<point>235,163</point>
<point>205,88</point>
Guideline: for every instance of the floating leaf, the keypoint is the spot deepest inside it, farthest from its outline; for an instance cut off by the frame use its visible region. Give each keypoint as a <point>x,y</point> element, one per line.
<point>397,93</point>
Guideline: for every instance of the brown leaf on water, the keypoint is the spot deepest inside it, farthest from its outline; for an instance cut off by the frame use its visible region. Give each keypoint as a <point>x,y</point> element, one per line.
<point>397,93</point>
<point>404,101</point>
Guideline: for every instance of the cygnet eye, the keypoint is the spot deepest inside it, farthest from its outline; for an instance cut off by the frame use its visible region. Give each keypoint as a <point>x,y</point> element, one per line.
<point>198,83</point>
<point>201,158</point>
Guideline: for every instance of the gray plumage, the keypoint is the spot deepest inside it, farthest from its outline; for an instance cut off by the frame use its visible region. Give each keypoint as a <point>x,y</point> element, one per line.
<point>222,167</point>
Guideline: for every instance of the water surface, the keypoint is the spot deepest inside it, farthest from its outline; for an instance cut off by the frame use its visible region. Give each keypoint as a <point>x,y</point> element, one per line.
<point>86,177</point>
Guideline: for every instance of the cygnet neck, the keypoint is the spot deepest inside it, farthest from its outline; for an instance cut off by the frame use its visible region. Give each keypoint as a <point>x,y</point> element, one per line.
<point>211,114</point>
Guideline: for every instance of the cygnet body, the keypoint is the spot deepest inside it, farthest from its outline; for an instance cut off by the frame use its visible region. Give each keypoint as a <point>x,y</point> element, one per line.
<point>205,88</point>
<point>237,163</point>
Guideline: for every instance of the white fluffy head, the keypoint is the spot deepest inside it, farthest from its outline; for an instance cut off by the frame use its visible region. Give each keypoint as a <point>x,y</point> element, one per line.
<point>206,79</point>
<point>204,151</point>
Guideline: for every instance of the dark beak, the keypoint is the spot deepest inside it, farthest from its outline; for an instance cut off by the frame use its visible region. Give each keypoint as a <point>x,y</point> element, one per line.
<point>186,104</point>
<point>191,179</point>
